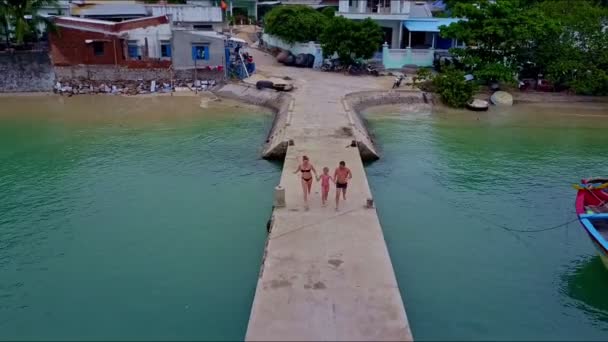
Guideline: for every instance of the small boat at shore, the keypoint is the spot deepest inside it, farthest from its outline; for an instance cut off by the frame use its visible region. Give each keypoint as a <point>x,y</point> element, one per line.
<point>478,105</point>
<point>592,210</point>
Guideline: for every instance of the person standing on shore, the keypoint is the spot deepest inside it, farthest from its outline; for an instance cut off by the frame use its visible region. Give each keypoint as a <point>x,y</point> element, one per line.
<point>341,176</point>
<point>306,168</point>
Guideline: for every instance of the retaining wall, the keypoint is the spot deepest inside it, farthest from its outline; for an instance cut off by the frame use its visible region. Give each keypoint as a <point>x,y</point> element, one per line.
<point>276,142</point>
<point>296,48</point>
<point>357,102</point>
<point>26,71</point>
<point>116,74</point>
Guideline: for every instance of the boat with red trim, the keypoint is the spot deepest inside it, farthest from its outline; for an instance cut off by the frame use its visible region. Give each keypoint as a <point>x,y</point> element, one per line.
<point>592,210</point>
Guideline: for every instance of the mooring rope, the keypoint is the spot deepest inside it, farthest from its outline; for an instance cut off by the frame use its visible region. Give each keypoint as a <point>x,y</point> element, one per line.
<point>529,230</point>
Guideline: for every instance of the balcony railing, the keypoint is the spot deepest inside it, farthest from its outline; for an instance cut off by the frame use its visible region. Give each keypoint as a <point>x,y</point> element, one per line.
<point>188,13</point>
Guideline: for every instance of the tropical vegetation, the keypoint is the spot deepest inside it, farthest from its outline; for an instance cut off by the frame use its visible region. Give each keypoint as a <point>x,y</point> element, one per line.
<point>350,39</point>
<point>295,23</point>
<point>20,20</point>
<point>565,41</point>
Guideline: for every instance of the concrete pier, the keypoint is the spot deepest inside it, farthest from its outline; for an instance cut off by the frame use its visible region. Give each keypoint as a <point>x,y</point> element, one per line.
<point>326,274</point>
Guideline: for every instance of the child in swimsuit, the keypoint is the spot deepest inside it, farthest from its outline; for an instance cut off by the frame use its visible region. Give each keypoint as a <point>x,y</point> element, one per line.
<point>325,178</point>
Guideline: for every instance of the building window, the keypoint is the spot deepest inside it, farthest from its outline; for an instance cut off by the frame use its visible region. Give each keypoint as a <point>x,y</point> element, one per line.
<point>203,27</point>
<point>98,48</point>
<point>165,49</point>
<point>133,49</point>
<point>200,52</point>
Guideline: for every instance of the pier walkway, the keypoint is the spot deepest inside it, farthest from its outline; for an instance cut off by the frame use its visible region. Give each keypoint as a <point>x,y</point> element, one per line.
<point>326,275</point>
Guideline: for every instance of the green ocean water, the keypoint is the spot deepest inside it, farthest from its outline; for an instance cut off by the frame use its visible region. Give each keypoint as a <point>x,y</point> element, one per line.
<point>130,218</point>
<point>450,189</point>
<point>144,218</point>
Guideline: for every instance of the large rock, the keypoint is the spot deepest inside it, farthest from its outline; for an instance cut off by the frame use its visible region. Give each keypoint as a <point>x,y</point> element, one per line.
<point>502,98</point>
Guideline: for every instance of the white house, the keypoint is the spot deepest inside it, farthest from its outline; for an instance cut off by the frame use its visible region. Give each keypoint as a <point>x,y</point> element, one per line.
<point>410,30</point>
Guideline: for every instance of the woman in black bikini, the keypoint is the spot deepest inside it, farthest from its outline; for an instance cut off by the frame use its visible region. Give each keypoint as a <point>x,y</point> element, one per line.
<point>306,168</point>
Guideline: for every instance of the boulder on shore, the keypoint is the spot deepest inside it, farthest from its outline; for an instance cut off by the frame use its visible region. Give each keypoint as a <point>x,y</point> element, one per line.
<point>502,98</point>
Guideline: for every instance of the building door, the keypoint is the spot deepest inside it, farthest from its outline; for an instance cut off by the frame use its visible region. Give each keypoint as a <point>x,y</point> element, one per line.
<point>388,37</point>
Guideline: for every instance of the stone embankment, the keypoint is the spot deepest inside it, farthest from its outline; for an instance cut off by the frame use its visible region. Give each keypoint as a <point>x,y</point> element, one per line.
<point>280,103</point>
<point>77,80</point>
<point>26,71</point>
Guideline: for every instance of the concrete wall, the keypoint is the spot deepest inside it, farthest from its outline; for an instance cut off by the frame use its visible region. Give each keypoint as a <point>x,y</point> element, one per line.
<point>109,73</point>
<point>279,102</point>
<point>398,58</point>
<point>359,101</point>
<point>182,49</point>
<point>297,48</point>
<point>154,35</point>
<point>68,47</point>
<point>26,72</point>
<point>397,27</point>
<point>116,74</point>
<point>188,13</point>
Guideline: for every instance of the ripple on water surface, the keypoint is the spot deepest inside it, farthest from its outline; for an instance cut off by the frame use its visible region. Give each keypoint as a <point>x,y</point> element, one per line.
<point>130,218</point>
<point>450,184</point>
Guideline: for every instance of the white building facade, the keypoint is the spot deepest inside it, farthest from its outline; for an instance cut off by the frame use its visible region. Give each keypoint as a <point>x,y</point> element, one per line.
<point>411,34</point>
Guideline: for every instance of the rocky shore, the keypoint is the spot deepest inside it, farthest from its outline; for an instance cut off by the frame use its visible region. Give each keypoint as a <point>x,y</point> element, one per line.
<point>88,87</point>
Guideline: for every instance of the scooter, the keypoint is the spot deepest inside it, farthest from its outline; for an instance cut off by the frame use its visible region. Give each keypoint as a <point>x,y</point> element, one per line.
<point>398,81</point>
<point>331,64</point>
<point>371,70</point>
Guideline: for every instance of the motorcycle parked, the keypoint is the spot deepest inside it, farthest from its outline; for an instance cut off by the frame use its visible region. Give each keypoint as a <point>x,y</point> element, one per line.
<point>371,70</point>
<point>398,81</point>
<point>331,64</point>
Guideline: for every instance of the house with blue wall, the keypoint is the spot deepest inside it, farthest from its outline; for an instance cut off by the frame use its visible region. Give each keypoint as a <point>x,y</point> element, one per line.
<point>421,41</point>
<point>411,33</point>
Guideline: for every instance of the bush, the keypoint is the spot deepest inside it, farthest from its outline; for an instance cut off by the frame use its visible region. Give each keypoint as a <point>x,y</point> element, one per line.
<point>422,75</point>
<point>454,90</point>
<point>591,82</point>
<point>295,23</point>
<point>329,12</point>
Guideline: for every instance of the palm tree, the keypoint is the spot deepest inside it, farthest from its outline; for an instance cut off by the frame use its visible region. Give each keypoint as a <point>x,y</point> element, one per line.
<point>24,17</point>
<point>4,26</point>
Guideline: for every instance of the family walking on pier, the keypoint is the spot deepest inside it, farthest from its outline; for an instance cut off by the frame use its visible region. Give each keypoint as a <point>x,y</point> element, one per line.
<point>340,178</point>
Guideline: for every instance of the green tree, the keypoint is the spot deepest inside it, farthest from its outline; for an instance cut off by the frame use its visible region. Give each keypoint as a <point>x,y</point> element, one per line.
<point>295,23</point>
<point>4,21</point>
<point>497,36</point>
<point>329,12</point>
<point>351,39</point>
<point>24,17</point>
<point>577,55</point>
<point>454,90</point>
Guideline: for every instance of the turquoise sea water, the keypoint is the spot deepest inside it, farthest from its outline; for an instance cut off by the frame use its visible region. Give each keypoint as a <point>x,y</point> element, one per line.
<point>451,187</point>
<point>130,218</point>
<point>145,219</point>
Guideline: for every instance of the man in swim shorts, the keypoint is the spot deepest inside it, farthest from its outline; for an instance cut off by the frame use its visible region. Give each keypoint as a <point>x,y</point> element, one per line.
<point>341,176</point>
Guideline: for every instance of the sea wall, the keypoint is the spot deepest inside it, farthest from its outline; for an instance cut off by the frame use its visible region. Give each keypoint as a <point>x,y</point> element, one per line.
<point>26,71</point>
<point>355,103</point>
<point>92,79</point>
<point>270,41</point>
<point>118,73</point>
<point>276,143</point>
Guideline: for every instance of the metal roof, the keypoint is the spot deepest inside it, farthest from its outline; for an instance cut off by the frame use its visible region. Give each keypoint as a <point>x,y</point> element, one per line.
<point>114,9</point>
<point>428,25</point>
<point>420,10</point>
